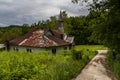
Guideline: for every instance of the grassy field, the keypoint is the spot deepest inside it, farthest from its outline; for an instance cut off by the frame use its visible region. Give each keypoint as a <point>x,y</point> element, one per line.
<point>45,66</point>
<point>91,47</point>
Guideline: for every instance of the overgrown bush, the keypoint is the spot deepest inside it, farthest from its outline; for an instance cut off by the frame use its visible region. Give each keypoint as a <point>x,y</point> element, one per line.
<point>114,63</point>
<point>84,54</point>
<point>40,66</point>
<point>76,54</point>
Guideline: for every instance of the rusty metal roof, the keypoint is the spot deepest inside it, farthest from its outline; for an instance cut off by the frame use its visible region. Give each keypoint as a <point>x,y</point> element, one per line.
<point>40,38</point>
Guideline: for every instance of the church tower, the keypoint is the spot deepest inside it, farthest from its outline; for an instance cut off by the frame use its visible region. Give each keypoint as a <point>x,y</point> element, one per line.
<point>60,23</point>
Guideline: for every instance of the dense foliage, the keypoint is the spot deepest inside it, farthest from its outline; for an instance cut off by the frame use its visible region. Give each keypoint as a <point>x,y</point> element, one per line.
<point>43,66</point>
<point>114,63</point>
<point>108,33</point>
<point>105,15</point>
<point>11,32</point>
<point>78,27</point>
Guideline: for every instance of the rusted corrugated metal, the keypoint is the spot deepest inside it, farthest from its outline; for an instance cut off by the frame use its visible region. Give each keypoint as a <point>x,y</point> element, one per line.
<point>40,38</point>
<point>16,41</point>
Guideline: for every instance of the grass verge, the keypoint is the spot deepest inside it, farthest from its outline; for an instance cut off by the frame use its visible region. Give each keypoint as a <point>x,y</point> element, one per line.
<point>114,63</point>
<point>45,66</point>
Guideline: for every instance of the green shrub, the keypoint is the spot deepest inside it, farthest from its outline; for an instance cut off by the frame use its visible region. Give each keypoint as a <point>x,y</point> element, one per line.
<point>114,63</point>
<point>42,66</point>
<point>77,55</point>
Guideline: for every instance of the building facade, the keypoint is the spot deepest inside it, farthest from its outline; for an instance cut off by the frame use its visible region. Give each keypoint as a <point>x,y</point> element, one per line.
<point>37,40</point>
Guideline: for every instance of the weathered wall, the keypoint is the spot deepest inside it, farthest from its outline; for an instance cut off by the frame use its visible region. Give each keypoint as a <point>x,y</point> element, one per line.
<point>35,49</point>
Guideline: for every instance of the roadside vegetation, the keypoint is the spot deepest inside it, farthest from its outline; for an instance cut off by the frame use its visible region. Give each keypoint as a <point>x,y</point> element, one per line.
<point>91,47</point>
<point>100,26</point>
<point>114,63</point>
<point>105,23</point>
<point>43,66</point>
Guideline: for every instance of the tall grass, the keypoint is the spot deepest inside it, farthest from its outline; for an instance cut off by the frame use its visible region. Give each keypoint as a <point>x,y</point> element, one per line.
<point>90,47</point>
<point>42,66</point>
<point>114,63</point>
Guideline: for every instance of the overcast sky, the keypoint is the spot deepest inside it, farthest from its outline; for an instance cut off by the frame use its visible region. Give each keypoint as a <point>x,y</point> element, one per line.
<point>30,11</point>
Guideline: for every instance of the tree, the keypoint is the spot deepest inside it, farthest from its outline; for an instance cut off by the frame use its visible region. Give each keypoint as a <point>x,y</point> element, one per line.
<point>78,27</point>
<point>105,22</point>
<point>107,30</point>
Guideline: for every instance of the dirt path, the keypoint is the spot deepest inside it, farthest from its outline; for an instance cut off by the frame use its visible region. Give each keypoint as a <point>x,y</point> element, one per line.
<point>97,69</point>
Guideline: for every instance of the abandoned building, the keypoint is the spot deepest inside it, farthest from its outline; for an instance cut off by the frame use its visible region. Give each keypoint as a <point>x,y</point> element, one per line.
<point>37,40</point>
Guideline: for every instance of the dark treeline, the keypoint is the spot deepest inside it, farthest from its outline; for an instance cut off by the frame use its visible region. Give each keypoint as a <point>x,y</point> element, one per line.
<point>12,31</point>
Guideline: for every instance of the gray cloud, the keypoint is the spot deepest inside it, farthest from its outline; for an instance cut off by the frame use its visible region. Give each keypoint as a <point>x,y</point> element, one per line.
<point>29,11</point>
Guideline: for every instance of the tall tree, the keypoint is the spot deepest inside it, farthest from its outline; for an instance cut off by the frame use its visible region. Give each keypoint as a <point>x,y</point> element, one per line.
<point>106,22</point>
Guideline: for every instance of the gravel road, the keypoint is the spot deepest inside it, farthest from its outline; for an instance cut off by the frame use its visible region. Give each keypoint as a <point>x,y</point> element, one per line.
<point>97,69</point>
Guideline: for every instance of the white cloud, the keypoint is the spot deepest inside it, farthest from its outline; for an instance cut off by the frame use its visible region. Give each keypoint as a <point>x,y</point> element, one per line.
<point>29,11</point>
<point>2,25</point>
<point>6,1</point>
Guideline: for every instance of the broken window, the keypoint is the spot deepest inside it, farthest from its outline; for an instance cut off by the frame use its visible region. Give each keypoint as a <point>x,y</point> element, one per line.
<point>28,50</point>
<point>65,48</point>
<point>15,49</point>
<point>54,51</point>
